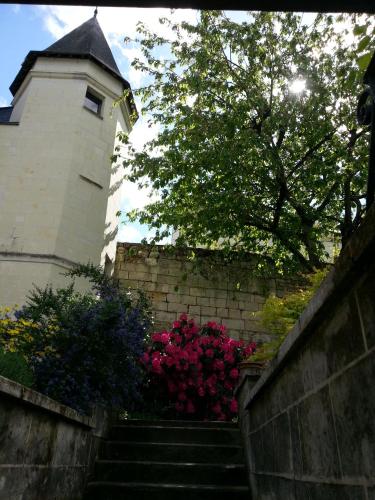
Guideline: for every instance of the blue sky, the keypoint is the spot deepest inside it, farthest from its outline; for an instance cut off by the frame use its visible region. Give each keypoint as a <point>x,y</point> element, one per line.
<point>19,28</point>
<point>32,27</point>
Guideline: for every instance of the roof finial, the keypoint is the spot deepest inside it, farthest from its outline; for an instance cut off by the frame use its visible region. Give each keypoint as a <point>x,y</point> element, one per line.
<point>96,11</point>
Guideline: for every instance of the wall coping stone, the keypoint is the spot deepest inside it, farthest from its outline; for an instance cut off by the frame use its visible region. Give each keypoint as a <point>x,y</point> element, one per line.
<point>359,250</point>
<point>173,251</point>
<point>249,371</point>
<point>40,401</point>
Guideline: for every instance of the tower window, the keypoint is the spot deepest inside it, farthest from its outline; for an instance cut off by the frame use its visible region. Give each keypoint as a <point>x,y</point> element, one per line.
<point>93,102</point>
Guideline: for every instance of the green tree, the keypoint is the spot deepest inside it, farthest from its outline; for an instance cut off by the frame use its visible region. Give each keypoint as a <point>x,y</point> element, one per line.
<point>242,158</point>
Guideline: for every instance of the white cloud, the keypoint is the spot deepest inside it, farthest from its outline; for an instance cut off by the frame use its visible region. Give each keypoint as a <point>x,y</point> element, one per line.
<point>129,234</point>
<point>3,102</point>
<point>115,22</point>
<point>136,198</point>
<point>142,133</point>
<point>130,53</point>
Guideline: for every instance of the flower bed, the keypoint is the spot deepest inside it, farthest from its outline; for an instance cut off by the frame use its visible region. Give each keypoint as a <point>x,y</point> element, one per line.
<point>194,370</point>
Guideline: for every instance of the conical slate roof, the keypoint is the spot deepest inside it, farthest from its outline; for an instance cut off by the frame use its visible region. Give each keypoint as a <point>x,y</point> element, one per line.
<point>88,39</point>
<point>85,42</point>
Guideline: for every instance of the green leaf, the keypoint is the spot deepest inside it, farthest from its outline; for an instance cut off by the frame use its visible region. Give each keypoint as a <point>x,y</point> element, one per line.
<point>363,43</point>
<point>364,61</point>
<point>359,29</point>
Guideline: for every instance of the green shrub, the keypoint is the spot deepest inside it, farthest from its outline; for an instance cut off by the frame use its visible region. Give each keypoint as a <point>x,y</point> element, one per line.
<point>83,348</point>
<point>279,314</point>
<point>14,366</point>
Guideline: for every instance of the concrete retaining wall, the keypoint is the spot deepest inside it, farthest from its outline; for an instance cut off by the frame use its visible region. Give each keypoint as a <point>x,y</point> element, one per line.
<point>309,422</point>
<point>46,449</point>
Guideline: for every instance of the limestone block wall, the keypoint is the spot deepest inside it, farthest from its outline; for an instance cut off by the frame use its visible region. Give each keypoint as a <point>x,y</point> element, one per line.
<point>308,423</point>
<point>47,449</point>
<point>213,291</point>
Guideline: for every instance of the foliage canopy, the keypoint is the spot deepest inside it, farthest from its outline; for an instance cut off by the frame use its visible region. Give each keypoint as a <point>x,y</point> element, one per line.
<point>240,157</point>
<point>280,314</point>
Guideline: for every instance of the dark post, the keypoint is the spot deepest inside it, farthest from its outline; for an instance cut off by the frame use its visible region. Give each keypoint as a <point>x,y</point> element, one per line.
<point>366,116</point>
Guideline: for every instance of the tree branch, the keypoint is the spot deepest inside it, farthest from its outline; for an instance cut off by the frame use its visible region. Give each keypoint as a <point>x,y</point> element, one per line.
<point>280,139</point>
<point>327,197</point>
<point>309,153</point>
<point>279,205</point>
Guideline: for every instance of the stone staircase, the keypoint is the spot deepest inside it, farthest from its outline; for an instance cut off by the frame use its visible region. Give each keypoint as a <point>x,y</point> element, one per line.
<point>170,460</point>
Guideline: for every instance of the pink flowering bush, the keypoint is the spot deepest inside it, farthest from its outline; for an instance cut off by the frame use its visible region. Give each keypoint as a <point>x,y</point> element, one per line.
<point>194,370</point>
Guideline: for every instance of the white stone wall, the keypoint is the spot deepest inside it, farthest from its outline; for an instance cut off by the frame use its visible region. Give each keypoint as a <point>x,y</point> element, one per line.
<point>116,191</point>
<point>55,173</point>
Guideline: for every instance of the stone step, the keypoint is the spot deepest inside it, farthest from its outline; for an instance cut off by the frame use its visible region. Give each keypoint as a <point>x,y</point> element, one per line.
<point>170,473</point>
<point>171,452</point>
<point>177,423</point>
<point>106,490</point>
<point>158,433</point>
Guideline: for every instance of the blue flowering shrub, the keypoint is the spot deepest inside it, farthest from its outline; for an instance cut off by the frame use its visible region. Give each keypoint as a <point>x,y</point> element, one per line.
<point>84,348</point>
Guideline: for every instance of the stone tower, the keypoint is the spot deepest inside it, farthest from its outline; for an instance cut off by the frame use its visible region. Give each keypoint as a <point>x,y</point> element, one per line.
<point>58,192</point>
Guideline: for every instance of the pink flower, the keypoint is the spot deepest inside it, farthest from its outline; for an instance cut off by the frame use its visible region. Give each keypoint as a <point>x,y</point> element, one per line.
<point>169,362</point>
<point>229,358</point>
<point>217,408</point>
<point>211,381</point>
<point>156,366</point>
<point>182,386</point>
<point>190,408</point>
<point>194,330</point>
<point>184,356</point>
<point>210,353</point>
<point>226,347</point>
<point>212,325</point>
<point>164,338</point>
<point>249,349</point>
<point>219,364</point>
<point>234,373</point>
<point>233,406</point>
<point>201,391</point>
<point>156,337</point>
<point>171,349</point>
<point>183,317</point>
<point>176,324</point>
<point>193,358</point>
<point>228,385</point>
<point>182,396</point>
